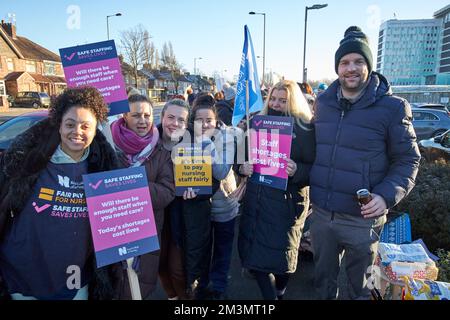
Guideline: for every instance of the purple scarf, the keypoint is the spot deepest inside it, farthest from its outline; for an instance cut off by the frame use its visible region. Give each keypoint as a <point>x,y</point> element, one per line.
<point>129,142</point>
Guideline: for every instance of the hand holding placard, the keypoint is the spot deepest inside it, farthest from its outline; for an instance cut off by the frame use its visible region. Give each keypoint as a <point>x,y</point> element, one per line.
<point>246,169</point>
<point>291,168</point>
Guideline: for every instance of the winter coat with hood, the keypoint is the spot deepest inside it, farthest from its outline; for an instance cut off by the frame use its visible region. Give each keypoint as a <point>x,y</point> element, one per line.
<point>193,231</point>
<point>21,165</point>
<point>225,111</point>
<point>161,184</point>
<point>272,220</point>
<point>370,144</point>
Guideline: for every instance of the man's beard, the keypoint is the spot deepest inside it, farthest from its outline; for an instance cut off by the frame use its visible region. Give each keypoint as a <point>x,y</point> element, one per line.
<point>354,87</point>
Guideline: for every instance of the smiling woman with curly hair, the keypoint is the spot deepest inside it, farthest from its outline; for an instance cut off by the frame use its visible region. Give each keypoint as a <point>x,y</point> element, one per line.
<point>88,98</point>
<point>44,225</point>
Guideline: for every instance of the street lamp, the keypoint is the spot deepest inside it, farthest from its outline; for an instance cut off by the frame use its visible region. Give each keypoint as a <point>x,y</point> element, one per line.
<point>264,42</point>
<point>314,7</point>
<point>195,64</point>
<point>195,69</point>
<point>107,21</point>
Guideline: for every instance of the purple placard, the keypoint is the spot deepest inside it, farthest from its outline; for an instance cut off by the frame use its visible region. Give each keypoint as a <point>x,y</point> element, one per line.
<point>270,149</point>
<point>120,214</point>
<point>97,65</point>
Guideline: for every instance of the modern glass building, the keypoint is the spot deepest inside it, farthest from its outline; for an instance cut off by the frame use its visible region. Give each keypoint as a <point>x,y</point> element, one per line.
<point>443,74</point>
<point>408,50</point>
<point>416,52</point>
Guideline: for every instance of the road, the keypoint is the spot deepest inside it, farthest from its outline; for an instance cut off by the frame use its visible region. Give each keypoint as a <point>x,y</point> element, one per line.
<point>13,112</point>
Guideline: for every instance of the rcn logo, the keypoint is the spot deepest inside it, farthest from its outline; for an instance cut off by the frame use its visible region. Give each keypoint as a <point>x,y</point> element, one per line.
<point>64,181</point>
<point>122,251</point>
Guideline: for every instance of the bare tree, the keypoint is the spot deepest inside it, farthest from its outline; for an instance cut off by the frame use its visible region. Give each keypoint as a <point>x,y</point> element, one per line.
<point>157,61</point>
<point>169,61</point>
<point>134,43</point>
<point>148,50</point>
<point>168,57</point>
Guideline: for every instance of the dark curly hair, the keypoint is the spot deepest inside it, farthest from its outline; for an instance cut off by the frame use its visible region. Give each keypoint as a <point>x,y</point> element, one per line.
<point>84,97</point>
<point>200,107</point>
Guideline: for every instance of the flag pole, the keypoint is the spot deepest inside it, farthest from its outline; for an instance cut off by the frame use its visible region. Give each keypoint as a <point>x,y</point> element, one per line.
<point>247,112</point>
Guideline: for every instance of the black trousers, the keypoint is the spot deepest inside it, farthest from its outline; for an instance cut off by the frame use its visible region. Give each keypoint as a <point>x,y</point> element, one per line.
<point>270,283</point>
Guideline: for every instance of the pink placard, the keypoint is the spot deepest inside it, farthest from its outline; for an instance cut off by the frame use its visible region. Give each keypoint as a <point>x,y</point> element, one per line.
<point>105,75</point>
<point>269,153</point>
<point>121,218</point>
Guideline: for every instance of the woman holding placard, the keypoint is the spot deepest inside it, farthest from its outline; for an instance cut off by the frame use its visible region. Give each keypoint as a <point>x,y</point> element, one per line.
<point>174,121</point>
<point>208,220</point>
<point>272,219</point>
<point>139,143</point>
<point>46,249</point>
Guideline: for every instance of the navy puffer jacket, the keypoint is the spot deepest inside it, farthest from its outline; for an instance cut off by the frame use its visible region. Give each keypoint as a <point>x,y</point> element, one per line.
<point>370,145</point>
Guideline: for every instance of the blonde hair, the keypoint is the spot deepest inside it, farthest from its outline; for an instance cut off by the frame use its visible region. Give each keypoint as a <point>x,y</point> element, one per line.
<point>297,106</point>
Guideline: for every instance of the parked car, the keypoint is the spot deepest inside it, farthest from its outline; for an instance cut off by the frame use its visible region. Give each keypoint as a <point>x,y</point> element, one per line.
<point>15,126</point>
<point>32,99</point>
<point>429,123</point>
<point>436,106</point>
<point>437,147</point>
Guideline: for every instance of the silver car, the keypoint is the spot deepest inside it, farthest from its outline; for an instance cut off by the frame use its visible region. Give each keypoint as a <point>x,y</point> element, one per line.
<point>436,106</point>
<point>429,123</point>
<point>437,147</point>
<point>32,99</point>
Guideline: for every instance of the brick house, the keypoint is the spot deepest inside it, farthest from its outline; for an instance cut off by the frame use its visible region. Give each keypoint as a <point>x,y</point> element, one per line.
<point>130,78</point>
<point>27,66</point>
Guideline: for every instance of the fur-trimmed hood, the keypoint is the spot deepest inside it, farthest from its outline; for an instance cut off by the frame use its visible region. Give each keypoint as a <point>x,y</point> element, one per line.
<point>20,167</point>
<point>29,154</point>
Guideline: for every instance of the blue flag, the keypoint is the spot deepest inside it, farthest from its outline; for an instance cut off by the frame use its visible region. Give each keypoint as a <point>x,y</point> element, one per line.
<point>248,71</point>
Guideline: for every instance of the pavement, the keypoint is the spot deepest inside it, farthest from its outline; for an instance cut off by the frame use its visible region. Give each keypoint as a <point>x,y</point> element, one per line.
<point>240,287</point>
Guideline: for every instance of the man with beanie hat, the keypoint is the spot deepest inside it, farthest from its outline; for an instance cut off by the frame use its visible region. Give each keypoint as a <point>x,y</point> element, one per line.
<point>355,41</point>
<point>365,140</point>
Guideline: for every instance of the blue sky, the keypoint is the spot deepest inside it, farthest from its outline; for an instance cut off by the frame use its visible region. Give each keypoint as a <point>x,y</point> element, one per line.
<point>214,30</point>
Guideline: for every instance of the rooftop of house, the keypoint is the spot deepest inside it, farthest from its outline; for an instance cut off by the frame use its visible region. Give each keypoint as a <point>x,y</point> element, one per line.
<point>24,47</point>
<point>37,77</point>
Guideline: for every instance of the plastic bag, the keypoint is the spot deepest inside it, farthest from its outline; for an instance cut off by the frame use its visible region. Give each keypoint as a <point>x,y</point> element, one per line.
<point>413,252</point>
<point>397,261</point>
<point>416,289</point>
<point>394,271</point>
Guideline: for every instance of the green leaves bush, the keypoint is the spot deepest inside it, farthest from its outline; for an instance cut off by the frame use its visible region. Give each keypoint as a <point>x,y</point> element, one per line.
<point>444,265</point>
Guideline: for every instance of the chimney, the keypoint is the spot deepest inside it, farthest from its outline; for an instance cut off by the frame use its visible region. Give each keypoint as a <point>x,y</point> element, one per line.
<point>9,28</point>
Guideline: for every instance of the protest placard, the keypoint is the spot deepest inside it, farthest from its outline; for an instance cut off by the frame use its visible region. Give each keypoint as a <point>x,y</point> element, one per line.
<point>270,148</point>
<point>120,214</point>
<point>192,170</point>
<point>97,65</point>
